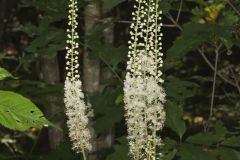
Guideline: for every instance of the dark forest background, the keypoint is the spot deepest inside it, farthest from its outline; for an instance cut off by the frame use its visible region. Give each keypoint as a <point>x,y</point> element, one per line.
<point>202,77</point>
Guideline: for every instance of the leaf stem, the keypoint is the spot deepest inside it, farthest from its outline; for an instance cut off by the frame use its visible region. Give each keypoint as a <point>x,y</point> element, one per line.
<point>212,67</point>
<point>233,7</point>
<point>112,69</point>
<point>213,88</point>
<point>84,154</point>
<point>34,144</point>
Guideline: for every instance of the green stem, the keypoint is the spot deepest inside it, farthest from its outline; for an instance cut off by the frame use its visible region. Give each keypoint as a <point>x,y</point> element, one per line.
<point>144,77</point>
<point>156,72</point>
<point>84,154</point>
<point>137,153</point>
<point>213,90</point>
<point>34,144</point>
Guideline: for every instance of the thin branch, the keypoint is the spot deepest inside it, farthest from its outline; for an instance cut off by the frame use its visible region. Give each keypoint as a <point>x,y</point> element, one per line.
<point>84,154</point>
<point>233,7</point>
<point>235,79</point>
<point>174,22</point>
<point>212,67</point>
<point>34,144</point>
<point>214,83</point>
<point>213,89</point>
<point>113,71</point>
<point>169,25</point>
<point>123,21</point>
<point>179,11</point>
<point>202,54</point>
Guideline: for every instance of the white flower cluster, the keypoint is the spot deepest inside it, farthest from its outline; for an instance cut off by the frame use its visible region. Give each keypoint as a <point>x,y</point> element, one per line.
<point>77,110</point>
<point>143,94</point>
<point>73,46</point>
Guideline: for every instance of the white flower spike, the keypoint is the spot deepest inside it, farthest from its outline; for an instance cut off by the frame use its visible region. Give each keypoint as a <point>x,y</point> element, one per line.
<point>77,110</point>
<point>144,96</point>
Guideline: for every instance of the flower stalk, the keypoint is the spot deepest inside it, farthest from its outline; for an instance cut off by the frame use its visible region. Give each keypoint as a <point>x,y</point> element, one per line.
<point>77,111</point>
<point>144,96</point>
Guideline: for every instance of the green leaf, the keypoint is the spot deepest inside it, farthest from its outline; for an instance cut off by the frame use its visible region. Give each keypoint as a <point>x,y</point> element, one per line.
<point>62,152</point>
<point>121,150</point>
<point>109,4</point>
<point>229,18</point>
<point>107,111</point>
<point>170,155</point>
<point>179,90</point>
<point>18,112</point>
<point>109,54</point>
<point>190,152</point>
<point>112,55</point>
<point>174,118</point>
<point>169,143</point>
<point>164,6</point>
<point>4,74</point>
<point>204,138</point>
<point>229,154</point>
<point>210,138</point>
<point>232,141</point>
<point>183,45</point>
<point>195,34</point>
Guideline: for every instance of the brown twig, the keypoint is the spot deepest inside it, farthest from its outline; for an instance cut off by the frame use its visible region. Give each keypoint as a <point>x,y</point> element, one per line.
<point>213,88</point>
<point>175,23</point>
<point>179,11</point>
<point>123,21</point>
<point>212,67</point>
<point>233,7</point>
<point>235,79</point>
<point>113,71</point>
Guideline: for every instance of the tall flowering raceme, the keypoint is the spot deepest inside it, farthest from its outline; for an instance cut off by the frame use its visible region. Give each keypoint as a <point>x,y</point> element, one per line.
<point>77,110</point>
<point>143,94</point>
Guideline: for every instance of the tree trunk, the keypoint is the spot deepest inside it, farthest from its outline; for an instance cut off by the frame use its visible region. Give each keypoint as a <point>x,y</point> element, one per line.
<point>91,68</point>
<point>49,73</point>
<point>2,16</point>
<point>107,140</point>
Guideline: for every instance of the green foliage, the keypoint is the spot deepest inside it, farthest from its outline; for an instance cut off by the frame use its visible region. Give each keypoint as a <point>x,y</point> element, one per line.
<point>190,152</point>
<point>174,118</point>
<point>229,154</point>
<point>107,110</point>
<point>195,34</point>
<point>17,112</point>
<point>170,155</point>
<point>48,38</point>
<point>43,45</point>
<point>109,4</point>
<point>187,85</point>
<point>63,151</point>
<point>209,138</point>
<point>120,150</point>
<point>179,90</point>
<point>109,54</point>
<point>4,74</point>
<point>232,141</point>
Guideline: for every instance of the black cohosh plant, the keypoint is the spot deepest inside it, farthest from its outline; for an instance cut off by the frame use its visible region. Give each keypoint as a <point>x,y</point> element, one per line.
<point>143,94</point>
<point>77,110</point>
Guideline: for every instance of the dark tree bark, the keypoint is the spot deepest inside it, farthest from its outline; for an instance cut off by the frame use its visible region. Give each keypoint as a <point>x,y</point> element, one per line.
<point>91,68</point>
<point>2,16</point>
<point>49,73</point>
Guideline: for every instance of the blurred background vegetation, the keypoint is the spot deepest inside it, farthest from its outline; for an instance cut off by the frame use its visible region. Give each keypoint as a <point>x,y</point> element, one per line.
<point>202,72</point>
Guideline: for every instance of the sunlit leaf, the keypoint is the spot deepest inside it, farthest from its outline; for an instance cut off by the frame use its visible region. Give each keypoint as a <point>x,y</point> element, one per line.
<point>18,112</point>
<point>4,74</point>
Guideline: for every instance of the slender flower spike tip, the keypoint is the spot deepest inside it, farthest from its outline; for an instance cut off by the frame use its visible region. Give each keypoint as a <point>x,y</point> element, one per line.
<point>77,110</point>
<point>144,96</point>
